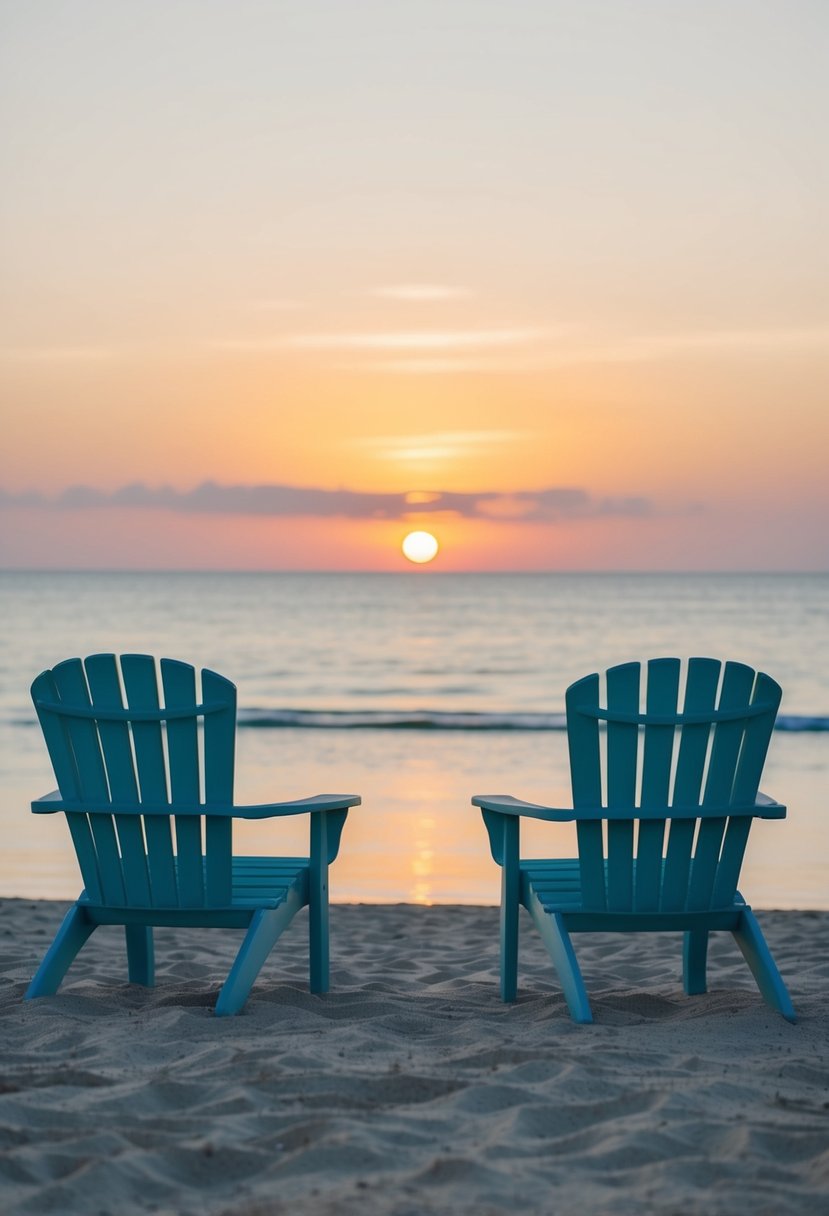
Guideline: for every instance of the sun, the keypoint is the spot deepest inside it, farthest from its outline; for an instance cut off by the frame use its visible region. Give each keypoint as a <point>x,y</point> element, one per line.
<point>420,547</point>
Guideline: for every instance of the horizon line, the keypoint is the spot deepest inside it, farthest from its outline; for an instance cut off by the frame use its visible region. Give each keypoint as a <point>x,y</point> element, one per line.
<point>409,571</point>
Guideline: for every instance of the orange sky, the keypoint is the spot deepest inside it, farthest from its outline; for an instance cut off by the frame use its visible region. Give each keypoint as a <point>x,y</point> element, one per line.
<point>478,251</point>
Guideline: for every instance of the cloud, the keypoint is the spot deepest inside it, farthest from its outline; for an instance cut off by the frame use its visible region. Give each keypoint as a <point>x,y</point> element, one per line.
<point>437,445</point>
<point>646,348</point>
<point>421,293</point>
<point>393,340</point>
<point>730,339</point>
<point>432,367</point>
<point>457,339</point>
<point>58,354</point>
<point>210,498</point>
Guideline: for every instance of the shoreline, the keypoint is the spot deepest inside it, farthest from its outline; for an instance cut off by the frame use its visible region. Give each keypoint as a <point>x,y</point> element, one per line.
<point>411,1088</point>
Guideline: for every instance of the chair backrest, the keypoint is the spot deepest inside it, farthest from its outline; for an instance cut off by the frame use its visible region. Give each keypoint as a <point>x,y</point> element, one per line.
<point>677,784</point>
<point>117,739</point>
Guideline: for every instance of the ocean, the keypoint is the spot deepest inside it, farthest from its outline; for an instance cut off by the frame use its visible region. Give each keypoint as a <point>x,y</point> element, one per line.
<point>416,691</point>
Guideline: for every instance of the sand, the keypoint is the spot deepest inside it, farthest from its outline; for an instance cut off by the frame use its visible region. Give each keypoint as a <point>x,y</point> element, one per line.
<point>411,1088</point>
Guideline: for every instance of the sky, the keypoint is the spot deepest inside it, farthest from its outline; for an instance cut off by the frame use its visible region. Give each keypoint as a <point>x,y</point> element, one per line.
<point>284,281</point>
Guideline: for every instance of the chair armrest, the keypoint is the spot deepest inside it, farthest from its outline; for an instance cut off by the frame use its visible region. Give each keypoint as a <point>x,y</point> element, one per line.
<point>505,804</point>
<point>48,804</point>
<point>298,806</point>
<point>767,808</point>
<point>763,808</point>
<point>266,810</point>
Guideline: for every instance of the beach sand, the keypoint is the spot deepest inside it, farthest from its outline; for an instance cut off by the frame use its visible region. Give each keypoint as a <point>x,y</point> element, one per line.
<point>411,1088</point>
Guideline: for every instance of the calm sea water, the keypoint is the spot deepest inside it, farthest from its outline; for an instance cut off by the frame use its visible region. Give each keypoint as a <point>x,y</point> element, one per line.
<point>416,691</point>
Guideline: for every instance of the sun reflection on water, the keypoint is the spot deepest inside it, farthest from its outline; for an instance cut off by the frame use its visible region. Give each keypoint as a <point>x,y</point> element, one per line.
<point>423,861</point>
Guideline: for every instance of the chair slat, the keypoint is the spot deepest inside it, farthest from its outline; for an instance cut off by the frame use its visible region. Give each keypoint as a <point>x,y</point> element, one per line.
<point>756,741</point>
<point>622,756</point>
<point>134,859</point>
<point>105,689</point>
<point>620,865</point>
<point>648,867</point>
<point>738,681</point>
<point>622,737</point>
<point>726,741</point>
<point>700,694</point>
<point>731,859</point>
<point>219,738</point>
<point>586,779</point>
<point>179,684</point>
<point>704,864</point>
<point>109,859</point>
<point>591,863</point>
<point>662,699</point>
<point>677,865</point>
<point>70,681</point>
<point>218,850</point>
<point>583,743</point>
<point>141,684</point>
<point>59,746</point>
<point>56,736</point>
<point>219,748</point>
<point>190,868</point>
<point>700,697</point>
<point>84,843</point>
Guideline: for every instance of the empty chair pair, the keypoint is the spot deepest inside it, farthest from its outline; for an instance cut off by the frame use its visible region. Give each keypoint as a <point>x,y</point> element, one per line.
<point>663,800</point>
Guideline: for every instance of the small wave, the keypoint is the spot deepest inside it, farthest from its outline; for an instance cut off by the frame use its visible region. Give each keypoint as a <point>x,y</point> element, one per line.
<point>427,719</point>
<point>801,722</point>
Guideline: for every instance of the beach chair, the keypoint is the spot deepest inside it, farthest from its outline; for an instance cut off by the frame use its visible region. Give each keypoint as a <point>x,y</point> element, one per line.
<point>663,799</point>
<point>147,790</point>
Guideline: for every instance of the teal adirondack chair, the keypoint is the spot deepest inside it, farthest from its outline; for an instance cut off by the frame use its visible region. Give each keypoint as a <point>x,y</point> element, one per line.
<point>148,796</point>
<point>663,800</point>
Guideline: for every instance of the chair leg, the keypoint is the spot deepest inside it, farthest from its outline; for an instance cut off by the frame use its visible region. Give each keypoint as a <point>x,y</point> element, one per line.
<point>557,940</point>
<point>70,937</point>
<point>318,942</point>
<point>510,909</point>
<point>749,937</point>
<point>140,955</point>
<point>265,927</point>
<point>694,958</point>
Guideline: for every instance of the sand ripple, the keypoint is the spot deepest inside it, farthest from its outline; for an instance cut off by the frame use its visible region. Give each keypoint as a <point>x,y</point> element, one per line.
<point>411,1089</point>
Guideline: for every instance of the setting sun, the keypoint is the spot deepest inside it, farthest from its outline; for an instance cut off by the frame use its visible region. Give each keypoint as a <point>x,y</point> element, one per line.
<point>420,547</point>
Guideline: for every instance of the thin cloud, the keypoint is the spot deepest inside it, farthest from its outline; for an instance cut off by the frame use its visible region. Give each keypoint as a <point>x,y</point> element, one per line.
<point>646,348</point>
<point>525,349</point>
<point>58,354</point>
<point>422,293</point>
<point>438,339</point>
<point>432,367</point>
<point>736,338</point>
<point>393,340</point>
<point>546,505</point>
<point>437,445</point>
